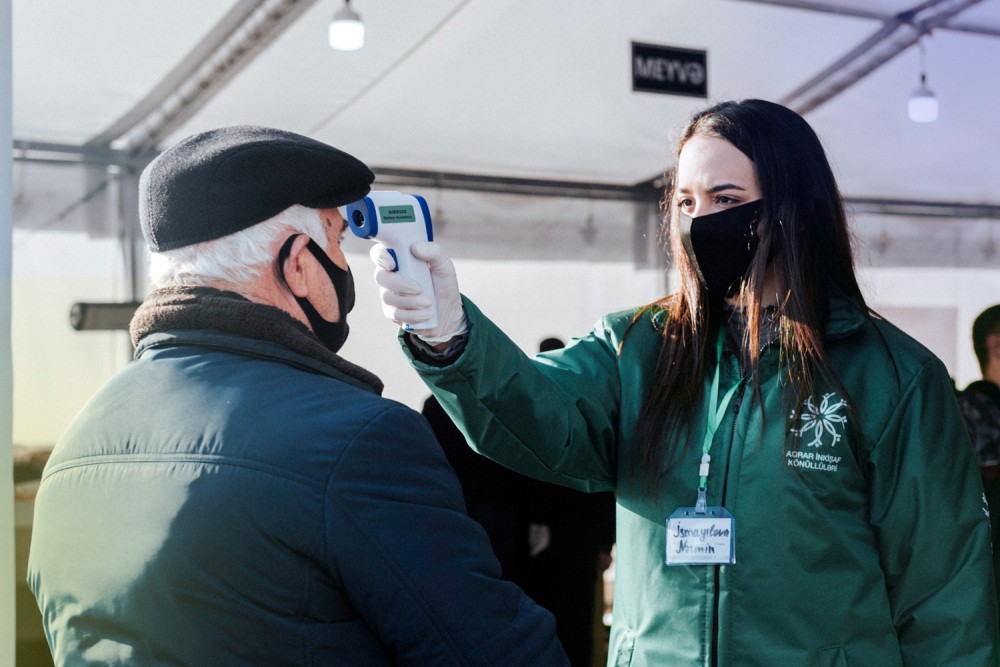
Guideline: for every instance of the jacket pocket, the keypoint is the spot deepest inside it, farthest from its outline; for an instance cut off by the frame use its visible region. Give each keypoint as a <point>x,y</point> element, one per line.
<point>622,645</point>
<point>833,656</point>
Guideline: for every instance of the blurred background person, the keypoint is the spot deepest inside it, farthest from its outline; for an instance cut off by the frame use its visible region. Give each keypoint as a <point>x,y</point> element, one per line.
<point>980,403</point>
<point>552,541</point>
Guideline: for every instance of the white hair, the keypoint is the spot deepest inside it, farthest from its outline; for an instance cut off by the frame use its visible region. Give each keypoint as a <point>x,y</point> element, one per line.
<point>236,259</point>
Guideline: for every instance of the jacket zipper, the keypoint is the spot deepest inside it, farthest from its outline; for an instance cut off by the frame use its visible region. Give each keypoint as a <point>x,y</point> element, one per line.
<point>725,483</point>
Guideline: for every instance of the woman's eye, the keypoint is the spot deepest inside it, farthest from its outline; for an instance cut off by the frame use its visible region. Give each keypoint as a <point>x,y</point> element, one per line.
<point>726,200</point>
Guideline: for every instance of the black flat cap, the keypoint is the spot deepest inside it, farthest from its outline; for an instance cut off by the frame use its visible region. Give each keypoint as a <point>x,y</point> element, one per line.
<point>222,181</point>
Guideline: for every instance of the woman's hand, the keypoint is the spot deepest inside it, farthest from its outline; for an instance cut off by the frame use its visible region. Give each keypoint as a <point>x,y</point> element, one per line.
<point>404,302</point>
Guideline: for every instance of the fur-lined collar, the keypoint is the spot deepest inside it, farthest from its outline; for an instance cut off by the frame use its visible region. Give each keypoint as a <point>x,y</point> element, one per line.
<point>192,308</point>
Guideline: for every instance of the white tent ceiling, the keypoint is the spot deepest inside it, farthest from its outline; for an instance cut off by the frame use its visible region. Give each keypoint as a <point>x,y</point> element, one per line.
<point>536,90</point>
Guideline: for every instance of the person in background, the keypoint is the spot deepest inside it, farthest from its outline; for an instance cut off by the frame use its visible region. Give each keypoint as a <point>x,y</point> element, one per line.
<point>240,494</point>
<point>980,404</point>
<point>551,541</point>
<point>794,482</point>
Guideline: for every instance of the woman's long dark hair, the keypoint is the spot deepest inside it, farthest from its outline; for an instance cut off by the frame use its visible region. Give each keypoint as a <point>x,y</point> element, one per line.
<point>803,231</point>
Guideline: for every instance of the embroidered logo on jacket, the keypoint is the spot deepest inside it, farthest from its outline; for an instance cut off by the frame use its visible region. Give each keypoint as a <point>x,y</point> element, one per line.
<point>818,421</point>
<point>818,425</point>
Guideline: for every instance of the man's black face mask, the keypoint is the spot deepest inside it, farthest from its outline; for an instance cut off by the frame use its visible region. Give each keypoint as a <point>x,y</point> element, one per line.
<point>331,334</point>
<point>721,246</point>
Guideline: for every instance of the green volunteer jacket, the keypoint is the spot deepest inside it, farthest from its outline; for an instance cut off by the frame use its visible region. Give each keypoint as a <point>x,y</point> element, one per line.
<point>869,550</point>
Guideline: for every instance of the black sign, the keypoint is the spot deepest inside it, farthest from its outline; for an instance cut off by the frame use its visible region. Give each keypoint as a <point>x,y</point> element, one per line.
<point>665,69</point>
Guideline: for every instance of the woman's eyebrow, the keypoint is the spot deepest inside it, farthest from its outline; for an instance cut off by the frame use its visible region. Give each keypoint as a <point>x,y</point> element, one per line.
<point>724,186</point>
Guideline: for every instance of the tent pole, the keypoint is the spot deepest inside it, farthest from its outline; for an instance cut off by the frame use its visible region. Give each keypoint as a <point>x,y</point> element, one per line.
<point>8,645</point>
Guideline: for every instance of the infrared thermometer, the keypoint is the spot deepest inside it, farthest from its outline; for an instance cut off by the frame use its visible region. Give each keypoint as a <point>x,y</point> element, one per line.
<point>397,221</point>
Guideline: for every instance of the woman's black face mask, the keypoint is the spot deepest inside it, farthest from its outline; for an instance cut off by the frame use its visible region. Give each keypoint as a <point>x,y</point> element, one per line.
<point>331,334</point>
<point>721,246</point>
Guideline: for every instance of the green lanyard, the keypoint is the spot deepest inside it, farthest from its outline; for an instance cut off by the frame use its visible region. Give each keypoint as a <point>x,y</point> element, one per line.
<point>716,411</point>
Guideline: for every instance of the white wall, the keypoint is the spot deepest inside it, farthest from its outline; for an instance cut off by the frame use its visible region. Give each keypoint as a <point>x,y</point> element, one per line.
<point>937,307</point>
<point>531,300</point>
<point>528,300</point>
<point>56,369</point>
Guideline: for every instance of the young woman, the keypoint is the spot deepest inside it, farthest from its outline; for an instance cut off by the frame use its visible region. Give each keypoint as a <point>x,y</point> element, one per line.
<point>794,482</point>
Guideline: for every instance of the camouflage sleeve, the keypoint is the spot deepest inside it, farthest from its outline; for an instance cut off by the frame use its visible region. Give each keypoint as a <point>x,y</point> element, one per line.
<point>982,418</point>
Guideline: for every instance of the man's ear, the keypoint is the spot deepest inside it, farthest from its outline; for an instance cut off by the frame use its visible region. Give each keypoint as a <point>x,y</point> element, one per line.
<point>294,267</point>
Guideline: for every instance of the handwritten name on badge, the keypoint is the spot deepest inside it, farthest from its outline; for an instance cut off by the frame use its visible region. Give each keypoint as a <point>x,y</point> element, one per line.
<point>699,541</point>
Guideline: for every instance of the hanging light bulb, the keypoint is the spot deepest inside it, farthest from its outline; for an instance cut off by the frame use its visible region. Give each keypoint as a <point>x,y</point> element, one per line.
<point>347,32</point>
<point>923,106</point>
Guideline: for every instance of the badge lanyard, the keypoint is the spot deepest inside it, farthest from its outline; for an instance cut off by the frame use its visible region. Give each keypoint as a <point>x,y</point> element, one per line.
<point>703,535</point>
<point>716,411</point>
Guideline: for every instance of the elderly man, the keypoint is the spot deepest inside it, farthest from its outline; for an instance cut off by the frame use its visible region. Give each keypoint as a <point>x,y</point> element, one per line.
<point>241,495</point>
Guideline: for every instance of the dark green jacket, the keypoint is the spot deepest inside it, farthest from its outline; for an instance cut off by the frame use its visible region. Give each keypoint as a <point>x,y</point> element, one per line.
<point>870,551</point>
<point>239,495</point>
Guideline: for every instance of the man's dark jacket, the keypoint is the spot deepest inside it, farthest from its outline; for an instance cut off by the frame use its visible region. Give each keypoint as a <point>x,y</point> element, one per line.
<point>239,495</point>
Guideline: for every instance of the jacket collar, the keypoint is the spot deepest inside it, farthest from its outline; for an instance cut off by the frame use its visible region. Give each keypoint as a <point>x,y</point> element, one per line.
<point>846,317</point>
<point>208,317</point>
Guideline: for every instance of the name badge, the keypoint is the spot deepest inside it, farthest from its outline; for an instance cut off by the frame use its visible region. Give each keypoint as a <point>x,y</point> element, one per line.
<point>701,538</point>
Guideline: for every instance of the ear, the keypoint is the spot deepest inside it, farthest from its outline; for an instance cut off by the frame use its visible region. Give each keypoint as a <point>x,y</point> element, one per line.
<point>331,217</point>
<point>294,267</point>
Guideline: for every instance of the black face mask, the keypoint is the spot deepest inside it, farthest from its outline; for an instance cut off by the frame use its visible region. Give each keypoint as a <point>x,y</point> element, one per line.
<point>331,334</point>
<point>721,246</point>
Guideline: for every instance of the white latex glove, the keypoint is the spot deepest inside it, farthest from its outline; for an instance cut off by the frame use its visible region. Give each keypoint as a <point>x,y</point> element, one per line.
<point>404,302</point>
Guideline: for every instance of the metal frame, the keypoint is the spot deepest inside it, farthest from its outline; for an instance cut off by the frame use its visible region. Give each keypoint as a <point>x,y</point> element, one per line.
<point>251,25</point>
<point>897,34</point>
<point>648,191</point>
<point>235,41</point>
<point>827,8</point>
